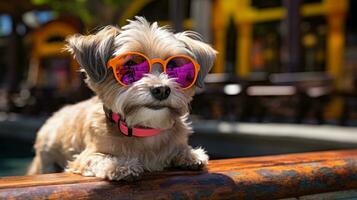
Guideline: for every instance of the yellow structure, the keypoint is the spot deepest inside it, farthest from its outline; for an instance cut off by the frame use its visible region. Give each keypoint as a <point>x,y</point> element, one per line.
<point>44,48</point>
<point>245,16</point>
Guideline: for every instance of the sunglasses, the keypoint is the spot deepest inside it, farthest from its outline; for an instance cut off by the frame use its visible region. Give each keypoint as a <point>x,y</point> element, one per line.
<point>132,66</point>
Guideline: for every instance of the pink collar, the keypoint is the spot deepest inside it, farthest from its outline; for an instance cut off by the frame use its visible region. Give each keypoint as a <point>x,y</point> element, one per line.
<point>123,128</point>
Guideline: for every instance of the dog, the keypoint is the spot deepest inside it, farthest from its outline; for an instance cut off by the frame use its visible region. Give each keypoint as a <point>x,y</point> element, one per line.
<point>138,119</point>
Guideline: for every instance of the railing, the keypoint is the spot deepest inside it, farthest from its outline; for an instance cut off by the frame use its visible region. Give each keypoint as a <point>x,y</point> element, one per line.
<point>268,177</point>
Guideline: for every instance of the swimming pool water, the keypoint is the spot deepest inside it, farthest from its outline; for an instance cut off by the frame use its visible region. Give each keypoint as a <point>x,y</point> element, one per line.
<point>15,156</point>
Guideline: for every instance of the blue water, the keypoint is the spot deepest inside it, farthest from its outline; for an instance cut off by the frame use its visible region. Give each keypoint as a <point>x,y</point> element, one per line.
<point>15,157</point>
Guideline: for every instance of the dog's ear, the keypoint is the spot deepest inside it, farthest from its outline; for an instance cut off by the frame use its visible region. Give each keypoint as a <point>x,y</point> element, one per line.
<point>93,51</point>
<point>204,53</point>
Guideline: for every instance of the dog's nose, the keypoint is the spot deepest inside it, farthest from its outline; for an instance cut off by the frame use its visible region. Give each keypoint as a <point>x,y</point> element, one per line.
<point>160,93</point>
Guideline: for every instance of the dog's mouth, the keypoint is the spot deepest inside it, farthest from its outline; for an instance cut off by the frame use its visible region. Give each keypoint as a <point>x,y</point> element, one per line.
<point>156,107</point>
<point>162,107</point>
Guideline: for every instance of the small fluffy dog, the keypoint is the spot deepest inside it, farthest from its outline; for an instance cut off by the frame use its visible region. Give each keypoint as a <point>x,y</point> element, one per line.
<point>144,77</point>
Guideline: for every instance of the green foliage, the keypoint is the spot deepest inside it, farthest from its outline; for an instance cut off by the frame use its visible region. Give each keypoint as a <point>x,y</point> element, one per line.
<point>87,10</point>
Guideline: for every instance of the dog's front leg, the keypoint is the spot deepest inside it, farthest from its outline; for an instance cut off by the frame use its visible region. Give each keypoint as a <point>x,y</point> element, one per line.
<point>106,166</point>
<point>188,158</point>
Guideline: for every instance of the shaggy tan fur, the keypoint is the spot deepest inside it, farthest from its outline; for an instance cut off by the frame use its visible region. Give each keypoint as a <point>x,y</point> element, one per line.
<point>80,139</point>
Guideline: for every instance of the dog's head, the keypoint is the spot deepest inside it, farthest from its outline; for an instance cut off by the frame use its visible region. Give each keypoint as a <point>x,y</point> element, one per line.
<point>155,100</point>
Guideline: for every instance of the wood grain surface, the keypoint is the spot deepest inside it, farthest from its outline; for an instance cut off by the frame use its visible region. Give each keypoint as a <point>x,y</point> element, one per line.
<point>267,177</point>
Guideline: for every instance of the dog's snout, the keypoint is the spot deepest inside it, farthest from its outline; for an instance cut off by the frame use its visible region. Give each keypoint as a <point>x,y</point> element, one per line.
<point>160,93</point>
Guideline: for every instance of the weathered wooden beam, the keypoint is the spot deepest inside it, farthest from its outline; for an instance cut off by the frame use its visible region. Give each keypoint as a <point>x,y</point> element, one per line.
<point>268,177</point>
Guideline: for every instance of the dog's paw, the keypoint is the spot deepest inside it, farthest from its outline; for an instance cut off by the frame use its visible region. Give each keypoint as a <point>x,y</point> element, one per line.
<point>111,168</point>
<point>194,159</point>
<point>128,170</point>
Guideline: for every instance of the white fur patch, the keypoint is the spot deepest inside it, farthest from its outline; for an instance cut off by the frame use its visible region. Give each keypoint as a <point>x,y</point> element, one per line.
<point>200,155</point>
<point>151,118</point>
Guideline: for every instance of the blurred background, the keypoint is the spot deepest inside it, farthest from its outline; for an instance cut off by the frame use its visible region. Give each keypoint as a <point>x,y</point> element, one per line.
<point>284,80</point>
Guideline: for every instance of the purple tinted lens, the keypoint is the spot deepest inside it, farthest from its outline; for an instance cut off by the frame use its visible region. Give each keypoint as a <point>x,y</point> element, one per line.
<point>182,69</point>
<point>132,68</point>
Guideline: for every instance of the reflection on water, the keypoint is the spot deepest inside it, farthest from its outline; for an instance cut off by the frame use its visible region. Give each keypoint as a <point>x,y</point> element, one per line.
<point>15,157</point>
<point>14,166</point>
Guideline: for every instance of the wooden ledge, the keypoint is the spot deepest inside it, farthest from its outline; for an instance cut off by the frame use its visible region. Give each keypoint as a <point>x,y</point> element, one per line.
<point>267,177</point>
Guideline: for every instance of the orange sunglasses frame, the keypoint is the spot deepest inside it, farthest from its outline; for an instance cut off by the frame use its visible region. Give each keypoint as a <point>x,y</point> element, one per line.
<point>112,62</point>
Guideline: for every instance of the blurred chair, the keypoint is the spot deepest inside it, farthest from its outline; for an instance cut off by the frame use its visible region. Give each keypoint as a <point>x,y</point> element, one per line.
<point>53,76</point>
<point>220,98</point>
<point>313,92</point>
<point>288,97</point>
<point>269,102</point>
